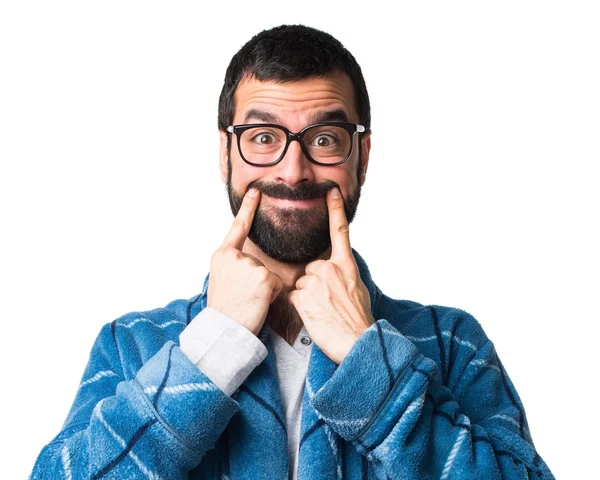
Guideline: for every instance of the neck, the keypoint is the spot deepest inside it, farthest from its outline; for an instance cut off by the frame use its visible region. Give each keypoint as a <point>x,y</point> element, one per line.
<point>282,317</point>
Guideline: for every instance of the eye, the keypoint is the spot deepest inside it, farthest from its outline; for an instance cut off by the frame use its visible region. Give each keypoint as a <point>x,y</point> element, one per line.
<point>323,140</point>
<point>263,138</point>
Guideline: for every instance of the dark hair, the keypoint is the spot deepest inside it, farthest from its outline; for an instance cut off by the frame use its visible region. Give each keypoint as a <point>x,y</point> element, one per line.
<point>290,53</point>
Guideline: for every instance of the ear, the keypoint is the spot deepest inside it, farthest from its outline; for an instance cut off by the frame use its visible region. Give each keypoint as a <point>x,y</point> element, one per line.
<point>223,155</point>
<point>364,159</point>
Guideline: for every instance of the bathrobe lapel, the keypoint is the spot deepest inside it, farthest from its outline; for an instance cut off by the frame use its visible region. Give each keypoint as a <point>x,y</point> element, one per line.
<point>319,448</point>
<point>257,433</point>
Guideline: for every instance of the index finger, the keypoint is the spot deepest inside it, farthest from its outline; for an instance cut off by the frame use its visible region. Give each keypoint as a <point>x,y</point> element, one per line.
<point>243,221</point>
<point>338,227</point>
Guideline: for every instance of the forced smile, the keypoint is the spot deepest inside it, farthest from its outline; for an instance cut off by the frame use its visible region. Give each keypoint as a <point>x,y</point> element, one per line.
<point>286,203</point>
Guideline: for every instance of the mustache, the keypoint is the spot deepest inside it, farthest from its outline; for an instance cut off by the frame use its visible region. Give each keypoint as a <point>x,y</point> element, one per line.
<point>304,191</point>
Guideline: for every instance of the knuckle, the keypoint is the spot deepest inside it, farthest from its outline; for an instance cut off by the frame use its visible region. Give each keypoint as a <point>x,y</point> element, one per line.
<point>225,255</point>
<point>247,261</point>
<point>217,255</point>
<point>263,273</point>
<point>316,266</point>
<point>343,228</point>
<point>329,268</point>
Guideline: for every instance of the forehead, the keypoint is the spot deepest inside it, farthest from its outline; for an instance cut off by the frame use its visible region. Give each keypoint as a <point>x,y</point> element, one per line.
<point>295,102</point>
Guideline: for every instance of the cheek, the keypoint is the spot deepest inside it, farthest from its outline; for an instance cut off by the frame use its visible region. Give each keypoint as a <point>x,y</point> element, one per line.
<point>241,174</point>
<point>347,182</point>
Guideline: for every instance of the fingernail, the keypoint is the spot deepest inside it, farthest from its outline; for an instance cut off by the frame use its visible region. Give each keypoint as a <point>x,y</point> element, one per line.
<point>252,192</point>
<point>335,193</point>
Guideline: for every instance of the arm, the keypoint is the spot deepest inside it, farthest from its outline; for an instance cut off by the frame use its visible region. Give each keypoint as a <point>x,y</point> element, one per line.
<point>222,349</point>
<point>409,425</point>
<point>159,423</point>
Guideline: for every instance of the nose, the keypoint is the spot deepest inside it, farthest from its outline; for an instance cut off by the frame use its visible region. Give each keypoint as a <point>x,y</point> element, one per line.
<point>294,167</point>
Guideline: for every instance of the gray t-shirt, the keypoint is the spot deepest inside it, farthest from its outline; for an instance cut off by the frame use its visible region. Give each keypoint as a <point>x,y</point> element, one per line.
<point>292,363</point>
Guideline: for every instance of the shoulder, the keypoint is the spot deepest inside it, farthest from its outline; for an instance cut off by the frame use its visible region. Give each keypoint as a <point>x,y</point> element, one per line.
<point>435,323</point>
<point>178,312</point>
<point>450,336</point>
<point>424,321</point>
<point>136,336</point>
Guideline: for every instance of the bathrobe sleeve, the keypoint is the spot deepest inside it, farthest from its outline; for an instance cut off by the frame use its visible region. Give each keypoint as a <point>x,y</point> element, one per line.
<point>155,423</point>
<point>388,400</point>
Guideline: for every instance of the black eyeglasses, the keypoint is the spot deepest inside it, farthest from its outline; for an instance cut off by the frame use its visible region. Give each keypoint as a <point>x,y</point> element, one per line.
<point>265,144</point>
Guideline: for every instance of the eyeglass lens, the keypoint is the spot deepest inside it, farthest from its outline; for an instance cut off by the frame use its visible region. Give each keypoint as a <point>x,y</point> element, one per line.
<point>325,144</point>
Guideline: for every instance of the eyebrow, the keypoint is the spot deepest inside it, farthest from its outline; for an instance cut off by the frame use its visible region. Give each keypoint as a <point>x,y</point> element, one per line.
<point>337,115</point>
<point>261,115</point>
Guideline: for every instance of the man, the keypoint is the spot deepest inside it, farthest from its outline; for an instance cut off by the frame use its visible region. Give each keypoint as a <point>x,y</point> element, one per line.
<point>292,363</point>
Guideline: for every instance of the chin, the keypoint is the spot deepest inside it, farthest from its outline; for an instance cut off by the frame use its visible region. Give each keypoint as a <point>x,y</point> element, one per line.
<point>292,237</point>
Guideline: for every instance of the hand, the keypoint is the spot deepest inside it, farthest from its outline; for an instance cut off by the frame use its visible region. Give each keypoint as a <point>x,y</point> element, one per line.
<point>331,299</point>
<point>239,285</point>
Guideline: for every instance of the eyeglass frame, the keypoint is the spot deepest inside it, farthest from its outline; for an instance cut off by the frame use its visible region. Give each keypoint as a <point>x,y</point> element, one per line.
<point>351,128</point>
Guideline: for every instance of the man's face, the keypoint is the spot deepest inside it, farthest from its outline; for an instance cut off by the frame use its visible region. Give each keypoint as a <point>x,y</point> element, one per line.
<point>291,223</point>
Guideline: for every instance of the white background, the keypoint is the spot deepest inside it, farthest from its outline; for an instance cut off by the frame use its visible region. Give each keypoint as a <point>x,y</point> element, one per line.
<point>482,191</point>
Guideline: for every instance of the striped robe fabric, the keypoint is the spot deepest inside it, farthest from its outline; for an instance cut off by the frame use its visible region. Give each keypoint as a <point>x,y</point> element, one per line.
<point>421,395</point>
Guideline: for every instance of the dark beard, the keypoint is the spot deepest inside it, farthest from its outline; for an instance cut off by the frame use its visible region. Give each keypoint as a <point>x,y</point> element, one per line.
<point>292,235</point>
